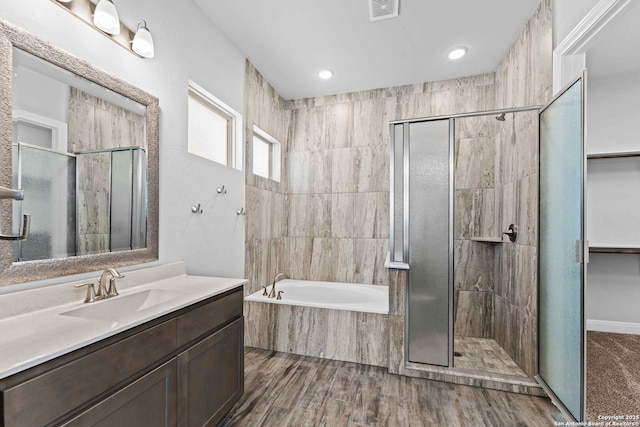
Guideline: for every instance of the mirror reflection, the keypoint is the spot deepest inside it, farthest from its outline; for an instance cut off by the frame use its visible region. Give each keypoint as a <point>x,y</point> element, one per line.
<point>80,154</point>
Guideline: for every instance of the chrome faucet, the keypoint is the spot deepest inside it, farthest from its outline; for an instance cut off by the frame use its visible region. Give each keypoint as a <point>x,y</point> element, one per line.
<point>103,292</point>
<point>273,294</point>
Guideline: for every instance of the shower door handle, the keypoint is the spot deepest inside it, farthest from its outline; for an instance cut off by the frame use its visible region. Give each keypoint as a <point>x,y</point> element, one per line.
<point>10,193</point>
<point>24,234</point>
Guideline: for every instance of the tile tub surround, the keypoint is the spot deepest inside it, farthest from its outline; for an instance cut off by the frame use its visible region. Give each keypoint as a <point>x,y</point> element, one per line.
<point>328,218</point>
<point>345,321</point>
<point>267,201</point>
<point>30,318</point>
<point>349,336</point>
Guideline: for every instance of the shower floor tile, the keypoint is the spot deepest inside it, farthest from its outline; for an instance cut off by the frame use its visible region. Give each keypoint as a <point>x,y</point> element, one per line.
<point>484,354</point>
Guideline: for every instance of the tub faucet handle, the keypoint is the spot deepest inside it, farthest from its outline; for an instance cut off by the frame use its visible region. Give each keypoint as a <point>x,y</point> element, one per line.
<point>280,294</point>
<point>264,292</point>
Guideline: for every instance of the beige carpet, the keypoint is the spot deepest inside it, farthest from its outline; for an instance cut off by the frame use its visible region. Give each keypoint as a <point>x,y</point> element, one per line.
<point>613,374</point>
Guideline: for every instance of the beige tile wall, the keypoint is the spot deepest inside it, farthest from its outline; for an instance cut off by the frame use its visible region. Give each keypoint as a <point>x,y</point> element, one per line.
<point>475,215</point>
<point>267,202</point>
<point>328,218</point>
<point>523,78</point>
<point>94,123</point>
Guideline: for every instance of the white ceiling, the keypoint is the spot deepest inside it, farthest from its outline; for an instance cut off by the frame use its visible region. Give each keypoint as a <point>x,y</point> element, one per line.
<point>616,49</point>
<point>288,41</point>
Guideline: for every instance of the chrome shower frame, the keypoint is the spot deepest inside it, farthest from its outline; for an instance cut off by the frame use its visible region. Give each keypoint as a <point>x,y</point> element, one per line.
<point>403,262</point>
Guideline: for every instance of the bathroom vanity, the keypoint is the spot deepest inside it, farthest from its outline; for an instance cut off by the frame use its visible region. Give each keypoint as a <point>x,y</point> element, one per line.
<point>173,356</point>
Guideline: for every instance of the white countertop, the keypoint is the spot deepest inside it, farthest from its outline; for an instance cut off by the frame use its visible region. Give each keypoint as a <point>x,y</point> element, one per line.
<point>33,337</point>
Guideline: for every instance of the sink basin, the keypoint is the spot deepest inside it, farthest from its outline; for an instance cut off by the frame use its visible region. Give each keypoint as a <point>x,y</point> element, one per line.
<point>123,305</point>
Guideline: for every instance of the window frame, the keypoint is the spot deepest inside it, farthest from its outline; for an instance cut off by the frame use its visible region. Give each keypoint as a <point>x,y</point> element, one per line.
<point>275,153</point>
<point>234,130</point>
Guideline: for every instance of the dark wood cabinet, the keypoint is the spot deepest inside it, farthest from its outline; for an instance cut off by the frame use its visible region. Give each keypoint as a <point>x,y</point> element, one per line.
<point>150,402</point>
<point>207,391</point>
<point>183,369</point>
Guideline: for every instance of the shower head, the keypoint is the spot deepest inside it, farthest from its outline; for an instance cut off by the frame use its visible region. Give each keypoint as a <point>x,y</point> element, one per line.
<point>500,117</point>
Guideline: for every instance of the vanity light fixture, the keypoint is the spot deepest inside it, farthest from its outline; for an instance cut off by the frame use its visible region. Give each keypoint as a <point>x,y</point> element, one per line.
<point>142,43</point>
<point>457,52</point>
<point>325,74</point>
<point>103,16</point>
<point>106,18</point>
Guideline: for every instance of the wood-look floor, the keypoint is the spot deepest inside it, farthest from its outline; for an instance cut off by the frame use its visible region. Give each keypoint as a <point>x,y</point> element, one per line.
<point>484,355</point>
<point>290,390</point>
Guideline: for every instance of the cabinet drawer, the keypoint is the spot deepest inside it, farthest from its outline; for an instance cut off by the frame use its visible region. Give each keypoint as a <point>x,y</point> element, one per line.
<point>209,317</point>
<point>47,397</point>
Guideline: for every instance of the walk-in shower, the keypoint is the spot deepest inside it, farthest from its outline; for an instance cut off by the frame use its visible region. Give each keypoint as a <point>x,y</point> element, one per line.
<point>453,186</point>
<point>81,203</point>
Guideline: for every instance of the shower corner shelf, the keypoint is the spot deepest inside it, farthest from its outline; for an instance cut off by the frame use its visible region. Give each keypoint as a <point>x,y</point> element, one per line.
<point>614,249</point>
<point>394,265</point>
<point>494,240</point>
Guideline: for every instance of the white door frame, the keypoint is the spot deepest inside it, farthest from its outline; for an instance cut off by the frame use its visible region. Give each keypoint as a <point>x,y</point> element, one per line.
<point>569,57</point>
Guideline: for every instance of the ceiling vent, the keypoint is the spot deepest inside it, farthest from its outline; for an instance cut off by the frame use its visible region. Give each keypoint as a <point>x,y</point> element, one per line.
<point>383,9</point>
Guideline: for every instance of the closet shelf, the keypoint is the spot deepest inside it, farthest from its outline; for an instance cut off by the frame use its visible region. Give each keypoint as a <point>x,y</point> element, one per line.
<point>613,155</point>
<point>487,239</point>
<point>614,249</point>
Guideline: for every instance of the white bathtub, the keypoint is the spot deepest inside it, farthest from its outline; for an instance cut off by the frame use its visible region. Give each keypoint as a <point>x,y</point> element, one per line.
<point>331,295</point>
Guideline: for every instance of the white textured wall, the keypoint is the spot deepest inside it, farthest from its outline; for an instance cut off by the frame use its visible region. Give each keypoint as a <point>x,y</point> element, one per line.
<point>613,280</point>
<point>187,47</point>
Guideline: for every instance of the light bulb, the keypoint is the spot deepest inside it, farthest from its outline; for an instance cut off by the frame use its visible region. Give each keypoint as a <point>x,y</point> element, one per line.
<point>105,17</point>
<point>143,42</point>
<point>457,53</point>
<point>325,74</point>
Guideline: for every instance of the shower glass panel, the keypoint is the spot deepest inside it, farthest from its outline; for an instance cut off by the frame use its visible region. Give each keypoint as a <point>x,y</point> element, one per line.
<point>430,244</point>
<point>561,251</point>
<point>116,179</point>
<point>128,193</point>
<point>49,181</point>
<point>139,199</point>
<point>121,197</point>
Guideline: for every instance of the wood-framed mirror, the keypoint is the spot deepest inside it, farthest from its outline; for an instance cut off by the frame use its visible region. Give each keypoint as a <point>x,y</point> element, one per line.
<point>83,145</point>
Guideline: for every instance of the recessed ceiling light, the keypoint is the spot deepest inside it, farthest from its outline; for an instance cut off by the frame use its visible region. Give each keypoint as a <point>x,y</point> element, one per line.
<point>325,74</point>
<point>457,52</point>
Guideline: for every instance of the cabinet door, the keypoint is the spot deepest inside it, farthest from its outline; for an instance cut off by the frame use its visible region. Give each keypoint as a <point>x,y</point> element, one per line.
<point>149,401</point>
<point>39,401</point>
<point>211,377</point>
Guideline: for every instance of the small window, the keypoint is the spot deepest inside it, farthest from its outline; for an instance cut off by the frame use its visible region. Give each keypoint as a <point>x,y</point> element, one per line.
<point>213,127</point>
<point>266,155</point>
